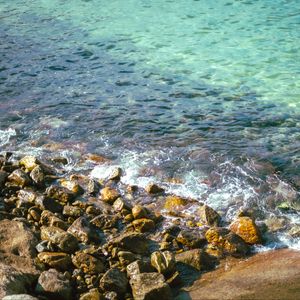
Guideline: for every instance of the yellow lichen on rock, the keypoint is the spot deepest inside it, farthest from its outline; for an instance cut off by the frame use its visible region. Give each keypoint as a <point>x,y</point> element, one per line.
<point>174,202</point>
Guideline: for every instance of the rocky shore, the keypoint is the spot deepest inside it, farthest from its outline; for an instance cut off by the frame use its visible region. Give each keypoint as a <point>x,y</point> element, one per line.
<point>73,237</point>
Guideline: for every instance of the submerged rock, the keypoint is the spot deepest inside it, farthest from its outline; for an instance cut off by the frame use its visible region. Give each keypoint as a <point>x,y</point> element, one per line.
<point>150,286</point>
<point>208,215</point>
<point>246,228</point>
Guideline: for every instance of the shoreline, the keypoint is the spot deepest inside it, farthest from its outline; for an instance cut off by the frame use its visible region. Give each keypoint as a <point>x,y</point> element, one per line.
<point>73,237</point>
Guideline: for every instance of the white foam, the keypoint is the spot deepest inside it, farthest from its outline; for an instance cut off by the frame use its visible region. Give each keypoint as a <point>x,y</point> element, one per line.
<point>5,136</point>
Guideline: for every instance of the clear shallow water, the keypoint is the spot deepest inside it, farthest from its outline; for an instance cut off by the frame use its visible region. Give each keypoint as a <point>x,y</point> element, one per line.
<point>205,92</point>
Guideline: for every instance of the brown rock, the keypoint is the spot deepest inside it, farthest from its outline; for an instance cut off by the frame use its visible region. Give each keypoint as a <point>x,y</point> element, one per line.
<point>174,203</point>
<point>58,260</point>
<point>208,216</point>
<point>109,195</point>
<point>72,211</point>
<point>245,228</point>
<point>116,174</point>
<point>60,193</point>
<point>3,177</point>
<point>138,212</point>
<point>191,238</point>
<point>139,266</point>
<point>152,188</point>
<point>72,186</point>
<point>29,162</point>
<point>143,225</point>
<point>19,178</point>
<point>49,219</point>
<point>38,176</point>
<point>163,262</point>
<point>93,294</point>
<point>88,263</point>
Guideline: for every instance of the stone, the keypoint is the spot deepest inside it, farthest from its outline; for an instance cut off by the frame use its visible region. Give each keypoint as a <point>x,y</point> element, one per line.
<point>227,241</point>
<point>34,213</point>
<point>64,240</point>
<point>121,204</point>
<point>133,242</point>
<point>92,294</point>
<point>295,231</point>
<point>72,211</point>
<point>27,196</point>
<point>143,225</point>
<point>126,257</point>
<point>104,221</point>
<point>72,186</point>
<point>60,160</point>
<point>84,231</point>
<point>60,193</point>
<point>208,215</point>
<point>153,189</point>
<point>195,258</point>
<point>163,262</point>
<point>109,195</point>
<point>174,203</point>
<point>20,297</point>
<point>54,285</point>
<point>93,187</point>
<point>246,228</point>
<point>138,212</point>
<point>275,223</point>
<point>114,280</point>
<point>45,203</point>
<point>3,177</point>
<point>58,260</point>
<point>139,266</point>
<point>191,238</point>
<point>19,178</point>
<point>115,174</point>
<point>150,286</point>
<point>48,218</point>
<point>88,263</point>
<point>29,162</point>
<point>38,177</point>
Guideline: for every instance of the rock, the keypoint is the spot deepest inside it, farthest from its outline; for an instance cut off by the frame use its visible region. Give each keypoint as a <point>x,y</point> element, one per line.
<point>58,260</point>
<point>34,213</point>
<point>72,186</point>
<point>96,158</point>
<point>45,203</point>
<point>3,177</point>
<point>138,212</point>
<point>208,215</point>
<point>45,246</point>
<point>105,221</point>
<point>72,211</point>
<point>133,242</point>
<point>109,195</point>
<point>114,280</point>
<point>84,231</point>
<point>116,174</point>
<point>64,240</point>
<point>174,203</point>
<point>13,281</point>
<point>295,231</point>
<point>121,204</point>
<point>153,189</point>
<point>139,266</point>
<point>60,160</point>
<point>126,257</point>
<point>38,177</point>
<point>88,263</point>
<point>227,241</point>
<point>54,285</point>
<point>163,262</point>
<point>93,294</point>
<point>275,223</point>
<point>143,225</point>
<point>150,286</point>
<point>27,196</point>
<point>246,228</point>
<point>195,258</point>
<point>191,238</point>
<point>60,193</point>
<point>49,219</point>
<point>20,297</point>
<point>93,187</point>
<point>19,178</point>
<point>17,238</point>
<point>29,162</point>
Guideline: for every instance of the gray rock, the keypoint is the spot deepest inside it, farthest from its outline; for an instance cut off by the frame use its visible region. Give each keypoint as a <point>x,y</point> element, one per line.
<point>53,284</point>
<point>19,297</point>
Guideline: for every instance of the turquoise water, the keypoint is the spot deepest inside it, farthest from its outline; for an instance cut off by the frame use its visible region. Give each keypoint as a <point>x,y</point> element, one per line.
<point>204,91</point>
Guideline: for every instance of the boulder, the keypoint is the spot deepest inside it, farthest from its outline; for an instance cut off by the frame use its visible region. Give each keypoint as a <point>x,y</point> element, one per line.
<point>191,238</point>
<point>153,189</point>
<point>163,262</point>
<point>45,203</point>
<point>29,162</point>
<point>143,225</point>
<point>92,294</point>
<point>72,211</point>
<point>38,177</point>
<point>54,285</point>
<point>3,177</point>
<point>88,263</point>
<point>150,286</point>
<point>138,212</point>
<point>139,266</point>
<point>84,231</point>
<point>208,215</point>
<point>246,228</point>
<point>64,240</point>
<point>72,186</point>
<point>174,203</point>
<point>49,219</point>
<point>114,280</point>
<point>58,260</point>
<point>61,194</point>
<point>109,195</point>
<point>19,178</point>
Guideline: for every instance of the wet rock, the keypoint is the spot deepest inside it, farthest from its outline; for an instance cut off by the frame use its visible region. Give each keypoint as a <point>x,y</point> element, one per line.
<point>114,280</point>
<point>93,187</point>
<point>72,211</point>
<point>60,193</point>
<point>29,162</point>
<point>104,221</point>
<point>121,204</point>
<point>58,260</point>
<point>3,177</point>
<point>13,281</point>
<point>163,262</point>
<point>116,174</point>
<point>126,257</point>
<point>97,158</point>
<point>34,213</point>
<point>275,223</point>
<point>84,231</point>
<point>45,246</point>
<point>138,212</point>
<point>27,196</point>
<point>38,177</point>
<point>139,266</point>
<point>227,241</point>
<point>49,219</point>
<point>195,258</point>
<point>93,294</point>
<point>19,178</point>
<point>208,215</point>
<point>64,240</point>
<point>54,285</point>
<point>150,286</point>
<point>143,225</point>
<point>88,263</point>
<point>133,242</point>
<point>153,189</point>
<point>295,231</point>
<point>246,228</point>
<point>49,204</point>
<point>109,195</point>
<point>60,160</point>
<point>72,186</point>
<point>20,297</point>
<point>174,203</point>
<point>192,238</point>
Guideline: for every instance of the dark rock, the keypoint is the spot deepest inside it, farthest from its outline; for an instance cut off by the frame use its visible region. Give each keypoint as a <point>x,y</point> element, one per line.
<point>114,280</point>
<point>48,218</point>
<point>126,257</point>
<point>208,215</point>
<point>38,177</point>
<point>150,286</point>
<point>58,260</point>
<point>45,203</point>
<point>3,177</point>
<point>72,211</point>
<point>60,193</point>
<point>192,238</point>
<point>84,231</point>
<point>140,266</point>
<point>54,285</point>
<point>105,221</point>
<point>143,225</point>
<point>154,189</point>
<point>88,263</point>
<point>19,178</point>
<point>163,262</point>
